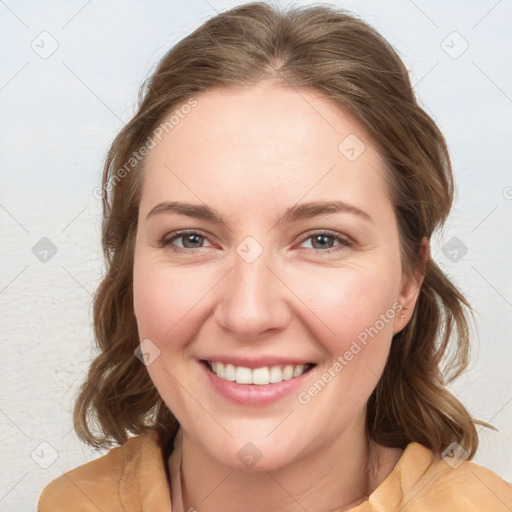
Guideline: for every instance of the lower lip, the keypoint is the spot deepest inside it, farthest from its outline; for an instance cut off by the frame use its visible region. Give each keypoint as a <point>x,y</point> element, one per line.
<point>253,395</point>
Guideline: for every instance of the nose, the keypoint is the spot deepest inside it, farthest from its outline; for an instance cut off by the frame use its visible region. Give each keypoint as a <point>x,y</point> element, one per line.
<point>253,300</point>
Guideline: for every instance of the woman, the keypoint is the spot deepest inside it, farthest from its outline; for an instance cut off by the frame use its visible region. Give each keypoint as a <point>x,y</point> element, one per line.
<point>271,323</point>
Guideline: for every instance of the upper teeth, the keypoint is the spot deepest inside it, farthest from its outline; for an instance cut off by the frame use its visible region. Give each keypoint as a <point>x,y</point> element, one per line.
<point>261,376</point>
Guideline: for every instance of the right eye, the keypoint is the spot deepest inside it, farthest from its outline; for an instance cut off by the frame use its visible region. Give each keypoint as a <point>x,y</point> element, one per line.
<point>189,239</point>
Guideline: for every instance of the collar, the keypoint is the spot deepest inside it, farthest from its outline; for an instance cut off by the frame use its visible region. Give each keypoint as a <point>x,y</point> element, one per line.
<point>143,486</point>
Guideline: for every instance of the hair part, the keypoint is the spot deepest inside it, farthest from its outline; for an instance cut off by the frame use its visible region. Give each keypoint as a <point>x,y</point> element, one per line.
<point>344,59</point>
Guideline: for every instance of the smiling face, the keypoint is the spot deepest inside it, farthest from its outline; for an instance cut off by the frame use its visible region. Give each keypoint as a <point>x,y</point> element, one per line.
<point>253,287</point>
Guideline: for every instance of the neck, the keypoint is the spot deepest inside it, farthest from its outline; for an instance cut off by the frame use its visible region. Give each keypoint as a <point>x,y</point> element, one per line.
<point>334,477</point>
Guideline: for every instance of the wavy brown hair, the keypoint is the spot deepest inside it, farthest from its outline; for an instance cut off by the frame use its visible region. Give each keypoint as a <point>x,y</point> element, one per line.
<point>335,53</point>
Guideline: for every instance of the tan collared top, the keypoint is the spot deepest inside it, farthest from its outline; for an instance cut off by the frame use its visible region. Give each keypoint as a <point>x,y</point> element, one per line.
<point>133,478</point>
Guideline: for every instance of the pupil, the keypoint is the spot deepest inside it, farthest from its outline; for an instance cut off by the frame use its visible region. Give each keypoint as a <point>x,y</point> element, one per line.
<point>189,238</point>
<point>321,237</point>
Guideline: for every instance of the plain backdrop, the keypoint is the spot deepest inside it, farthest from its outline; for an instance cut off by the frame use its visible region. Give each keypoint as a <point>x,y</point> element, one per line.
<point>69,77</point>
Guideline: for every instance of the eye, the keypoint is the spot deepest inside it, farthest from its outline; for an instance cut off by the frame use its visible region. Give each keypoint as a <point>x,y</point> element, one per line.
<point>322,240</point>
<point>191,240</point>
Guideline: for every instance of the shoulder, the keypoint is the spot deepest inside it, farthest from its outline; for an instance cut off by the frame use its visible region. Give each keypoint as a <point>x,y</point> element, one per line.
<point>474,487</point>
<point>450,484</point>
<point>102,483</point>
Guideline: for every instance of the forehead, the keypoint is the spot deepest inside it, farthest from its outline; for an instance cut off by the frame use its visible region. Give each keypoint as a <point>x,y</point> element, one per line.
<point>250,143</point>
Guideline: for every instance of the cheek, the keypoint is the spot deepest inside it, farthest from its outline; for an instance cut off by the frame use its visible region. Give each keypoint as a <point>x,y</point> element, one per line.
<point>353,311</point>
<point>152,306</point>
<point>348,304</point>
<point>165,300</point>
<point>166,303</point>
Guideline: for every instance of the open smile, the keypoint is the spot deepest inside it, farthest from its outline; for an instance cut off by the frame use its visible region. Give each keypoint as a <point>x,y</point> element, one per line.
<point>257,386</point>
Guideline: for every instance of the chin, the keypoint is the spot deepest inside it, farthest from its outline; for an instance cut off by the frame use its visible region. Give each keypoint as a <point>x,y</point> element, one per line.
<point>256,453</point>
<point>253,461</point>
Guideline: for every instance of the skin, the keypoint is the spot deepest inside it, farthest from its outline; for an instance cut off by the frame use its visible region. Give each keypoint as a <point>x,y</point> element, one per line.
<point>294,299</point>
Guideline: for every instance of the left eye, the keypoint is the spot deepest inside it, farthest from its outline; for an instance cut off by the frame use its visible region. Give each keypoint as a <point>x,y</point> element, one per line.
<point>321,240</point>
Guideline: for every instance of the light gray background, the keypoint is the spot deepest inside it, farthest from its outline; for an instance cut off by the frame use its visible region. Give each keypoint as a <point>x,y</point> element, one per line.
<point>58,116</point>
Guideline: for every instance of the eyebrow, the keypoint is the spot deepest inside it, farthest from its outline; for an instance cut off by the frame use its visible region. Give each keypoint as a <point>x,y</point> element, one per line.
<point>291,214</point>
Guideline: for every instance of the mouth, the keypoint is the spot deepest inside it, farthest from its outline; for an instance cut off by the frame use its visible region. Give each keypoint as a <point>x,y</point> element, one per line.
<point>262,376</point>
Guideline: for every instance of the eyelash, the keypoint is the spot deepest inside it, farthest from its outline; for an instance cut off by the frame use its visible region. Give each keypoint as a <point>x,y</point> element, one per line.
<point>166,242</point>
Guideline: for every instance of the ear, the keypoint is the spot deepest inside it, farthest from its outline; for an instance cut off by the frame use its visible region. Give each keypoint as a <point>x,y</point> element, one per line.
<point>410,288</point>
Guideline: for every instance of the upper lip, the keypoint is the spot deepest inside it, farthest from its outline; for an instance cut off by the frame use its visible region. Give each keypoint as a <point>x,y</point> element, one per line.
<point>256,361</point>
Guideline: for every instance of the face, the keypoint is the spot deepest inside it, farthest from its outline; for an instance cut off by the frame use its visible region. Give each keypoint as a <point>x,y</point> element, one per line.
<point>258,290</point>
